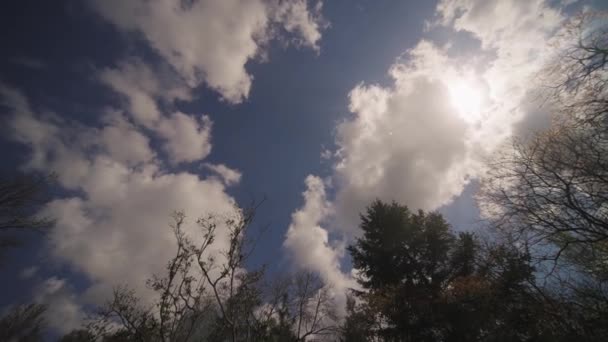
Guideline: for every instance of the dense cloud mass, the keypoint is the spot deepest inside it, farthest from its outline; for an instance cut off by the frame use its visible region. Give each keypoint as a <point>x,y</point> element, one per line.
<point>211,41</point>
<point>402,143</point>
<point>412,141</point>
<point>421,139</point>
<point>64,307</point>
<point>114,229</point>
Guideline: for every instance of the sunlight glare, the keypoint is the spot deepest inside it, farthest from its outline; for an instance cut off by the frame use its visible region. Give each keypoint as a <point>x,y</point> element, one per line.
<point>466,99</point>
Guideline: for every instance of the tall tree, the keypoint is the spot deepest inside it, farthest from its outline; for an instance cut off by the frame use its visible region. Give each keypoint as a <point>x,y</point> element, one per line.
<point>403,259</point>
<point>421,282</point>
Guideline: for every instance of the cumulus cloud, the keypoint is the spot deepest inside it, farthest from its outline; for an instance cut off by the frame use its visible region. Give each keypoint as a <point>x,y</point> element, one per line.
<point>145,91</point>
<point>296,17</point>
<point>228,175</point>
<point>123,141</point>
<point>519,34</point>
<point>120,234</point>
<point>420,139</point>
<point>405,142</point>
<point>211,41</point>
<point>188,139</point>
<point>113,227</point>
<point>141,85</point>
<point>63,310</point>
<point>308,242</point>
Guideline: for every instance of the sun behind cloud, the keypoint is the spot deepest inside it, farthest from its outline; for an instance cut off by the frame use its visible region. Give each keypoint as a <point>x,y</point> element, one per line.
<point>466,99</point>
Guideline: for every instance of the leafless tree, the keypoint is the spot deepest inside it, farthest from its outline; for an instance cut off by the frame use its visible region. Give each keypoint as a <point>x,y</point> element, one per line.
<point>581,57</point>
<point>208,295</point>
<point>21,198</point>
<point>198,286</point>
<point>23,323</point>
<point>125,315</point>
<point>315,313</point>
<point>302,305</point>
<point>553,189</point>
<point>550,193</point>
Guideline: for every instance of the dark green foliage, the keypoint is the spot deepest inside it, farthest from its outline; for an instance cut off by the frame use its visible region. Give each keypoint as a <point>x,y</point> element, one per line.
<point>399,247</point>
<point>423,283</point>
<point>359,322</point>
<point>404,262</point>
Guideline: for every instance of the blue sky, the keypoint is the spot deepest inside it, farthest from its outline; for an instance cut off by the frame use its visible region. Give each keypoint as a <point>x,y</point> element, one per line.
<point>319,107</point>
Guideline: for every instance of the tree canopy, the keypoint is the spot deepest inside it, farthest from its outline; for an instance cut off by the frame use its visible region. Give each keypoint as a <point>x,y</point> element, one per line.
<point>423,282</point>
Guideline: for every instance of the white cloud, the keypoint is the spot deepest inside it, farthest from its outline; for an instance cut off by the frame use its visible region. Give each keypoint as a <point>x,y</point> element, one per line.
<point>114,227</point>
<point>519,33</point>
<point>211,41</point>
<point>326,154</point>
<point>186,138</point>
<point>49,150</point>
<point>228,175</point>
<point>405,142</point>
<point>410,141</point>
<point>499,23</point>
<point>63,312</point>
<point>123,141</point>
<point>120,233</point>
<point>308,242</point>
<point>297,17</point>
<point>141,85</point>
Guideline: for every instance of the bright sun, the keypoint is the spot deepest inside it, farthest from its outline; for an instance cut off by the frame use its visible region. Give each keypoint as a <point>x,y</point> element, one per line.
<point>466,99</point>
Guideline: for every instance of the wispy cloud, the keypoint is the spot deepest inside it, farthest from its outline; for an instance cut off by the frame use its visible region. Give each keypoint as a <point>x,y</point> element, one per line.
<point>28,62</point>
